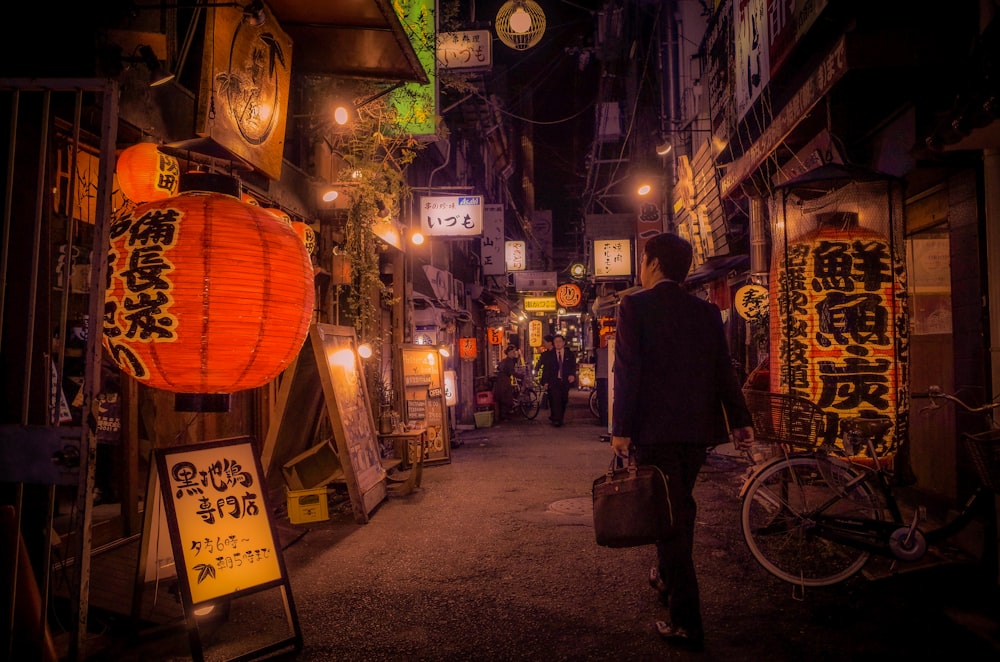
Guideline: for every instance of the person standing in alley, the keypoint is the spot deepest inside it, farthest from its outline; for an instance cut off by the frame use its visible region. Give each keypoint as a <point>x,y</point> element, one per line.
<point>546,348</point>
<point>503,384</point>
<point>675,390</point>
<point>558,376</point>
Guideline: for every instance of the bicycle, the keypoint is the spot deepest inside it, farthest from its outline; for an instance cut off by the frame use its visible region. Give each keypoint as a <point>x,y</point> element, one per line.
<point>594,404</point>
<point>815,517</point>
<point>526,399</point>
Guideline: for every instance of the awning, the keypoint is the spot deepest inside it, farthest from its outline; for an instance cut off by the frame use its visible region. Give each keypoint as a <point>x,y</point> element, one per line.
<point>348,38</point>
<point>716,267</point>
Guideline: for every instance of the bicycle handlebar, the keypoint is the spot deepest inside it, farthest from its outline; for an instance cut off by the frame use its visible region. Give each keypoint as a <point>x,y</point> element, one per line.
<point>934,392</point>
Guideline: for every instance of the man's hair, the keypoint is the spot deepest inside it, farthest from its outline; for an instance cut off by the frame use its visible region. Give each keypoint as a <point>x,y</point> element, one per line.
<point>548,337</point>
<point>673,252</point>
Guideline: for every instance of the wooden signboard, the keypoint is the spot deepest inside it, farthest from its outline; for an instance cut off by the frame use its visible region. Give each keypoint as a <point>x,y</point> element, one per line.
<point>323,394</point>
<point>224,542</point>
<point>423,382</point>
<point>343,379</point>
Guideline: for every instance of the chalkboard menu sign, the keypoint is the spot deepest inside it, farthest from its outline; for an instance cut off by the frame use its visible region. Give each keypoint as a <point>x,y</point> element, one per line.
<point>423,381</point>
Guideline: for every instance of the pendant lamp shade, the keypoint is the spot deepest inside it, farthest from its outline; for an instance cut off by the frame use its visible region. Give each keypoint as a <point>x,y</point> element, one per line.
<point>206,294</point>
<point>146,174</point>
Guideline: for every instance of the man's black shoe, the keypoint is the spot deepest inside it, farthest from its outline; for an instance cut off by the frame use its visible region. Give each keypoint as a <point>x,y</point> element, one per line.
<point>680,637</point>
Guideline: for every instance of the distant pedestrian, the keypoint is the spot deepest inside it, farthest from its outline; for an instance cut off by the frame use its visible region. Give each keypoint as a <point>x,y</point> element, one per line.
<point>558,375</point>
<point>503,384</point>
<point>674,391</point>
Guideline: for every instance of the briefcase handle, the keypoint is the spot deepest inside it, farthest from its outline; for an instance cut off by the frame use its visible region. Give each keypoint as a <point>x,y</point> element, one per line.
<point>617,463</point>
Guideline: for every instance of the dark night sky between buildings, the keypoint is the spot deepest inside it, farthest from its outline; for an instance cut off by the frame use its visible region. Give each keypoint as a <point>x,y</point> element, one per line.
<point>551,89</point>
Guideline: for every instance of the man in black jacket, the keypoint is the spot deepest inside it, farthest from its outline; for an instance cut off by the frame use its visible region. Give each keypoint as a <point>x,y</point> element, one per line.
<point>558,375</point>
<point>674,392</point>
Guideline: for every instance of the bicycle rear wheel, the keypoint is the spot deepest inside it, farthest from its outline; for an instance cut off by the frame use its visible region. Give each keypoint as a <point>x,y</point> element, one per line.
<point>530,403</point>
<point>778,528</point>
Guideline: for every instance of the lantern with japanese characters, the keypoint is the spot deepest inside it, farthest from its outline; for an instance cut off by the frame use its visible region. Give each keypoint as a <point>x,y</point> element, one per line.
<point>467,349</point>
<point>205,294</point>
<point>838,320</point>
<point>146,174</point>
<point>306,234</point>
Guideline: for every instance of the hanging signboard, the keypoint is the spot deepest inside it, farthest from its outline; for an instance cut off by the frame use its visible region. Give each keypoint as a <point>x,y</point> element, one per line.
<point>491,246</point>
<point>467,50</point>
<point>539,304</point>
<point>243,105</point>
<point>535,333</point>
<point>416,104</point>
<point>515,256</point>
<point>451,215</point>
<point>568,295</point>
<point>536,281</point>
<point>612,258</point>
<point>752,302</point>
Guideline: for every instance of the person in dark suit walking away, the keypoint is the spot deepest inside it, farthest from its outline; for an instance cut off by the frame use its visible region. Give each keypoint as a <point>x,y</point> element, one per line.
<point>674,392</point>
<point>558,376</point>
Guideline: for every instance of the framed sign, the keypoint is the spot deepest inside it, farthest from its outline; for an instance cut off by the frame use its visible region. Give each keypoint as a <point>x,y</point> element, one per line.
<point>452,216</point>
<point>224,542</point>
<point>347,404</point>
<point>612,258</point>
<point>424,386</point>
<point>242,104</point>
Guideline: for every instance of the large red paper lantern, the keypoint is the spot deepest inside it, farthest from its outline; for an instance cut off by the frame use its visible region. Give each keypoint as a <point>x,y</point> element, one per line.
<point>146,174</point>
<point>206,294</point>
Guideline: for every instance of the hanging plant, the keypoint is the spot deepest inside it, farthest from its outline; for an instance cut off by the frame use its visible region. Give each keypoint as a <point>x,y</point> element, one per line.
<point>375,161</point>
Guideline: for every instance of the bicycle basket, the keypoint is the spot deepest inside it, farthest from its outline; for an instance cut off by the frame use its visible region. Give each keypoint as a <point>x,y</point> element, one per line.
<point>780,418</point>
<point>984,448</point>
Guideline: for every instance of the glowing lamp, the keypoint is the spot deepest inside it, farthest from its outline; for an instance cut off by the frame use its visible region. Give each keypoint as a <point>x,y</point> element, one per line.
<point>205,294</point>
<point>467,349</point>
<point>308,236</point>
<point>280,214</point>
<point>146,174</point>
<point>520,24</point>
<point>837,301</point>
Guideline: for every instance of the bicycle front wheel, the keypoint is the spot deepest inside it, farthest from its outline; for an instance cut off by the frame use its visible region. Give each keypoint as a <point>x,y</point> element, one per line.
<point>529,403</point>
<point>594,409</point>
<point>778,524</point>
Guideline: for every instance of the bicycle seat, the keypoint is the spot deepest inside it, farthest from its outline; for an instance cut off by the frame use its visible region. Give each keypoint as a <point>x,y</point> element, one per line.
<point>867,427</point>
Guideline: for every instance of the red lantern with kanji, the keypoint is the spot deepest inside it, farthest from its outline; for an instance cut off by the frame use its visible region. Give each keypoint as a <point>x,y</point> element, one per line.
<point>206,294</point>
<point>146,174</point>
<point>467,349</point>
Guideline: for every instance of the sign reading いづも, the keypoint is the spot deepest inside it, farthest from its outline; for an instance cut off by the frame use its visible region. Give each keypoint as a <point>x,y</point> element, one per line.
<point>452,215</point>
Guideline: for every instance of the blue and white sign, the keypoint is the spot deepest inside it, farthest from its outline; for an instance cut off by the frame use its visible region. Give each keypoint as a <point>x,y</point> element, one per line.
<point>451,216</point>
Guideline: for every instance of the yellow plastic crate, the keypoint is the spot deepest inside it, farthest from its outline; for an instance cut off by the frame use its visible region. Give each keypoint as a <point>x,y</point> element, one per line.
<point>484,419</point>
<point>306,506</point>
